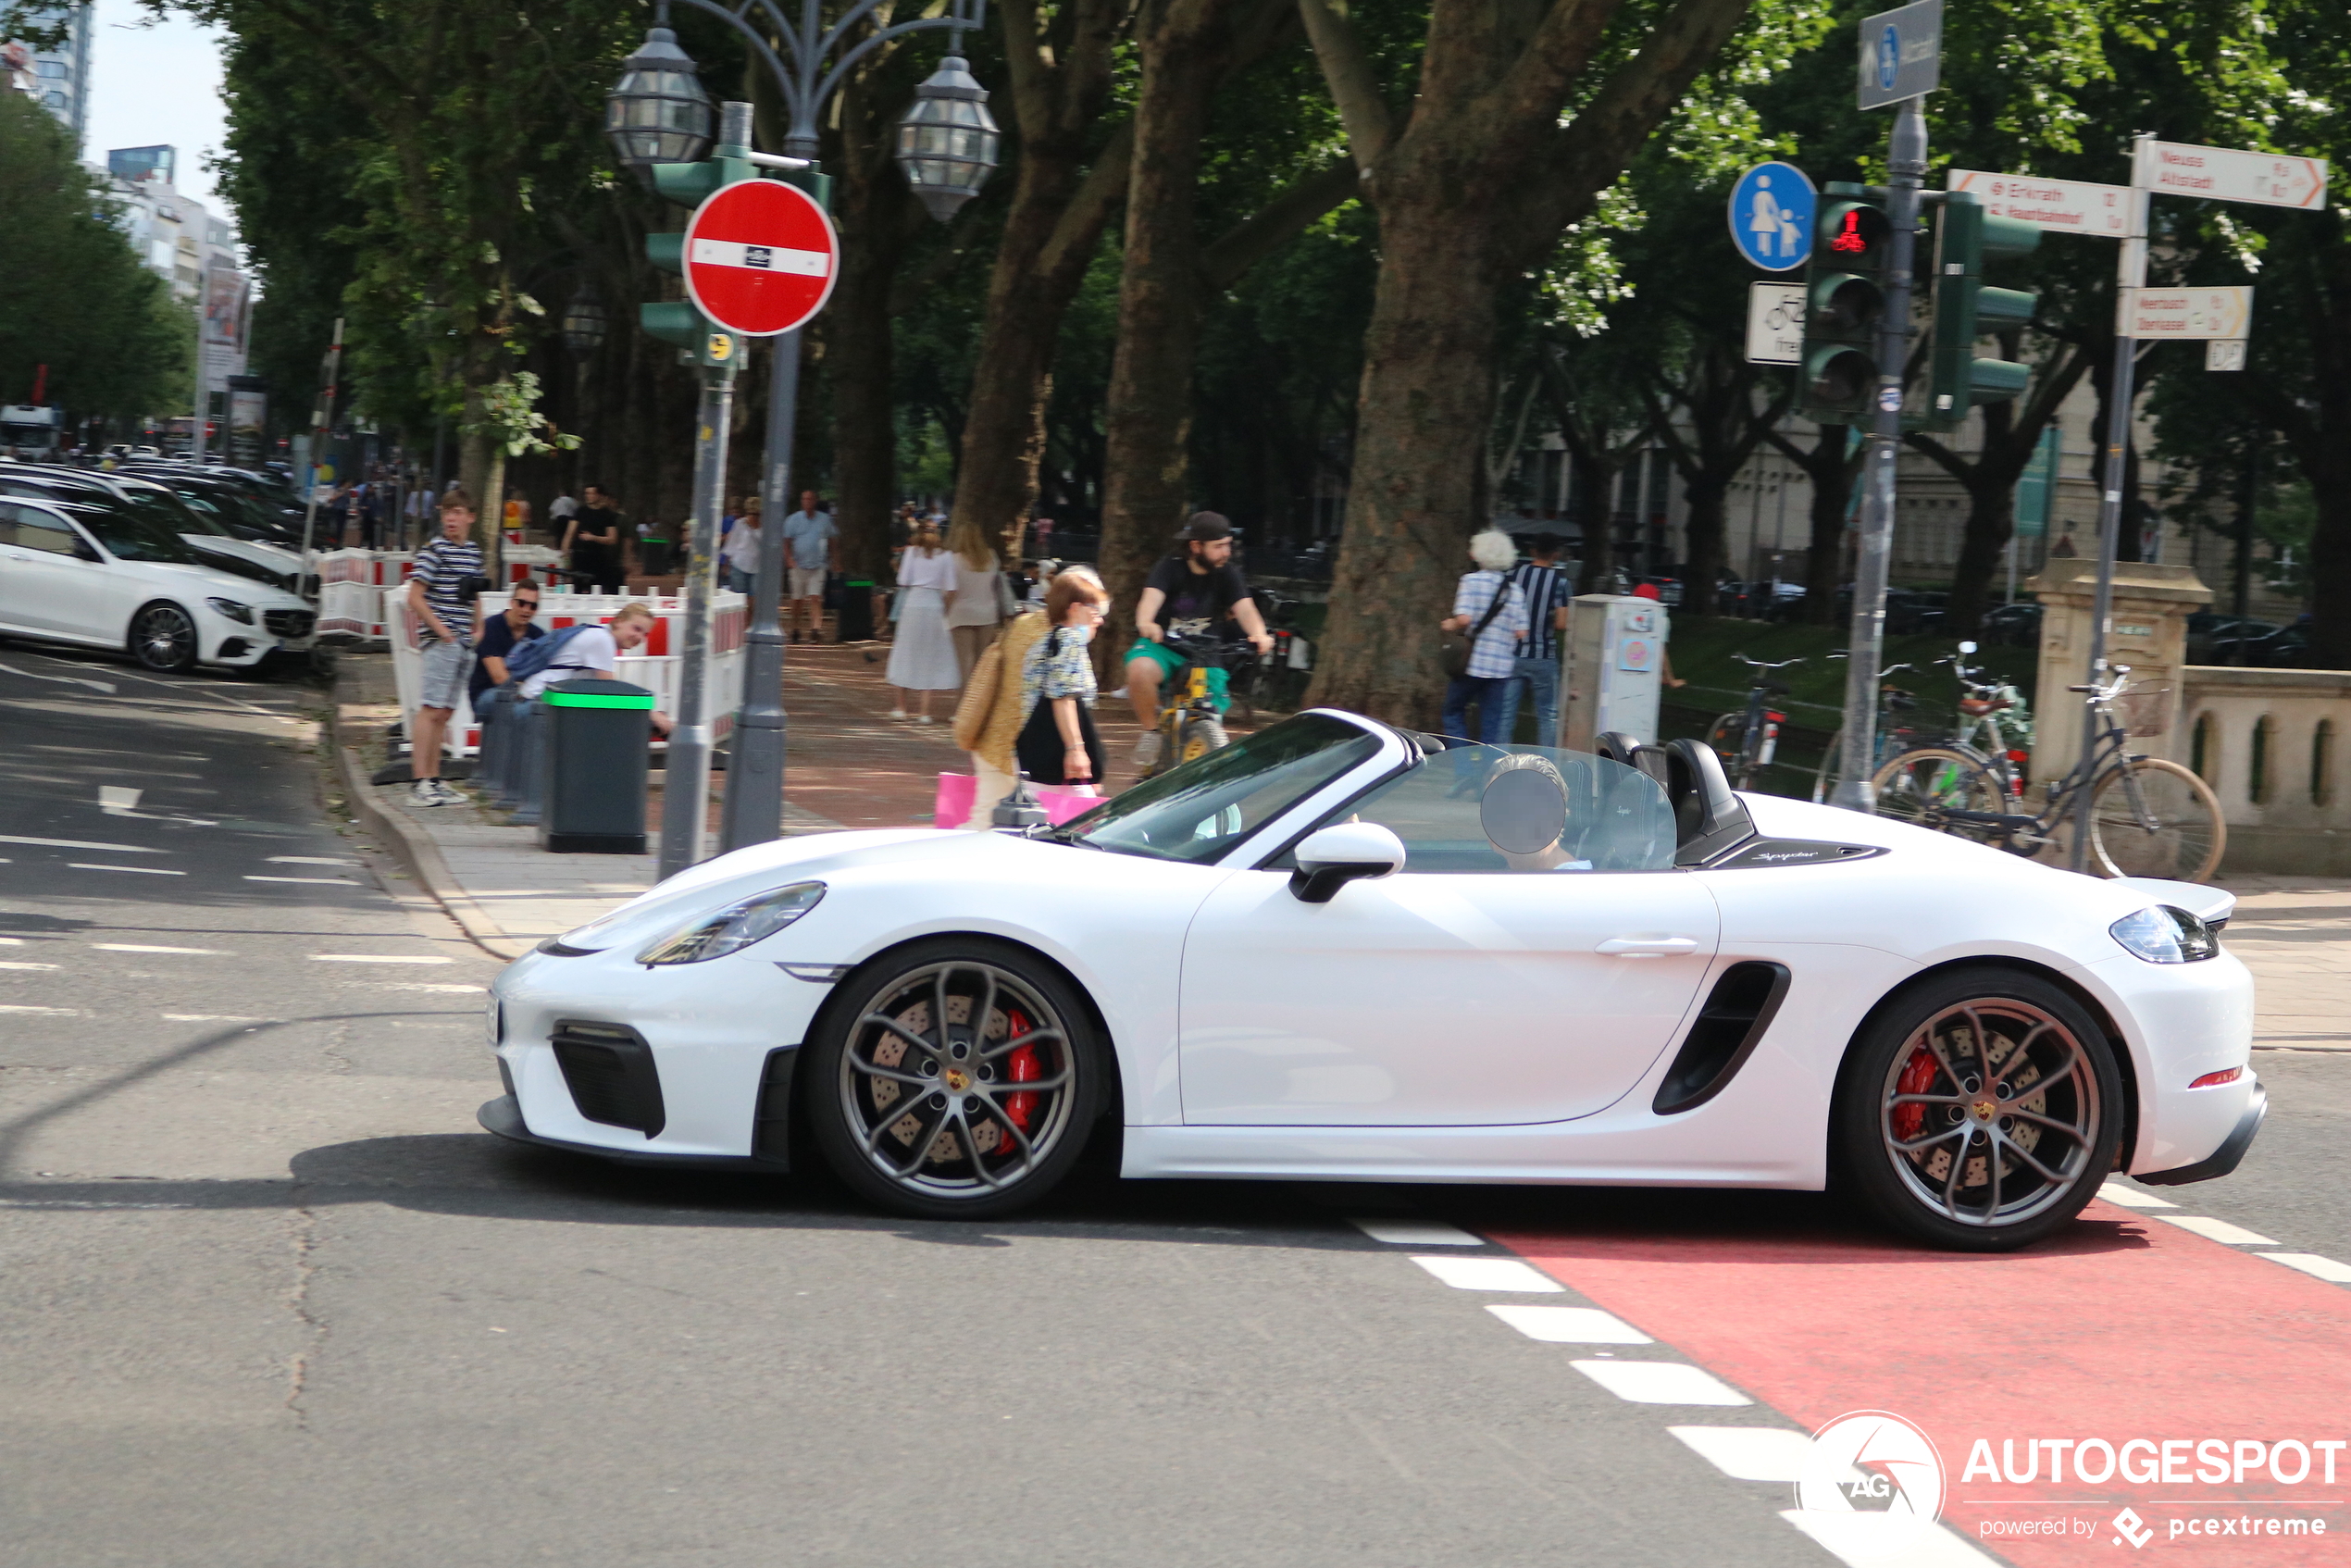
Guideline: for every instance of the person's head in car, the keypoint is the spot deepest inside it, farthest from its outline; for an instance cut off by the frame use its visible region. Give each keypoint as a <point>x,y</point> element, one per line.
<point>1524,812</point>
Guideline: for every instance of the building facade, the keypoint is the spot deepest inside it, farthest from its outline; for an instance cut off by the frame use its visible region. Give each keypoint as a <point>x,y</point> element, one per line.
<point>58,79</point>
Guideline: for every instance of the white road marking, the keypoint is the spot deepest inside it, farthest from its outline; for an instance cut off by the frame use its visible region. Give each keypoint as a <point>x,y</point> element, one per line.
<point>2132,1197</point>
<point>10,941</point>
<point>1859,1539</point>
<point>309,882</point>
<point>207,1018</point>
<point>26,967</point>
<point>1488,1273</point>
<point>1660,1383</point>
<point>142,946</point>
<point>78,844</point>
<point>1749,1453</point>
<point>1416,1233</point>
<point>48,1012</point>
<point>373,958</point>
<point>106,686</point>
<point>2312,1263</point>
<point>470,991</point>
<point>1570,1325</point>
<point>118,800</point>
<point>143,870</point>
<point>2218,1230</point>
<point>308,860</point>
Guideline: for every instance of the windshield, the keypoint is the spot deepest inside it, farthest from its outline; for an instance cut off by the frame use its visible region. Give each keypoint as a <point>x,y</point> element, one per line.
<point>1479,808</point>
<point>1200,810</point>
<point>132,533</point>
<point>169,509</point>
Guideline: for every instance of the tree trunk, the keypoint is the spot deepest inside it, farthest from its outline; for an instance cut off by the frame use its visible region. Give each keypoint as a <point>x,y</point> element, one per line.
<point>1595,483</point>
<point>878,217</point>
<point>1829,467</point>
<point>1708,492</point>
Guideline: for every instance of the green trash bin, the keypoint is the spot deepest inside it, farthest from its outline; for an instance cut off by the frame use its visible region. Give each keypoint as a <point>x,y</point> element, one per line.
<point>593,788</point>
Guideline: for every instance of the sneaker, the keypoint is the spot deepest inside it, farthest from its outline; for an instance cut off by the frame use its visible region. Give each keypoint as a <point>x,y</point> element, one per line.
<point>1147,749</point>
<point>427,792</point>
<point>924,719</point>
<point>450,795</point>
<point>795,636</point>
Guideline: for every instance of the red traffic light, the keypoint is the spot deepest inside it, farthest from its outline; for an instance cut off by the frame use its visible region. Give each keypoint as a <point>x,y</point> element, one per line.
<point>1855,233</point>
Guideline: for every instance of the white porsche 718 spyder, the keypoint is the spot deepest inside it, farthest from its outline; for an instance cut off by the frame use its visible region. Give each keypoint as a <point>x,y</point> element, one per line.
<point>1340,950</point>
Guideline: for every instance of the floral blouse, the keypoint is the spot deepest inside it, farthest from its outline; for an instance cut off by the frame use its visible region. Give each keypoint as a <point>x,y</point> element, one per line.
<point>1056,667</point>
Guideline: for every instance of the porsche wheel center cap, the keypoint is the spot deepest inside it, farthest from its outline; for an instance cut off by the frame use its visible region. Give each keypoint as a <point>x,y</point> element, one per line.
<point>958,1080</point>
<point>1984,1109</point>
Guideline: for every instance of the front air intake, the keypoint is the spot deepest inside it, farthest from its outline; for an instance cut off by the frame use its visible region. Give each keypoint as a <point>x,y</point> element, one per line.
<point>610,1072</point>
<point>1736,1013</point>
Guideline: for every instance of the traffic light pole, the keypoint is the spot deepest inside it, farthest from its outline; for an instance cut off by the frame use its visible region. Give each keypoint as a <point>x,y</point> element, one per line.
<point>685,797</point>
<point>1907,158</point>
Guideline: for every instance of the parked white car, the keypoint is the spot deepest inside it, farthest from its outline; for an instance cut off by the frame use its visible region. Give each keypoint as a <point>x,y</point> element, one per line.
<point>101,576</point>
<point>1336,951</point>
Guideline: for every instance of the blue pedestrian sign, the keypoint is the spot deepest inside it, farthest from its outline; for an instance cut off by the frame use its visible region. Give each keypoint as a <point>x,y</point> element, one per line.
<point>1772,209</point>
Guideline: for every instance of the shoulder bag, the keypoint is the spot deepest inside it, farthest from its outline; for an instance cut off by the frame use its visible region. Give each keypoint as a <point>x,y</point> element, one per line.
<point>1459,645</point>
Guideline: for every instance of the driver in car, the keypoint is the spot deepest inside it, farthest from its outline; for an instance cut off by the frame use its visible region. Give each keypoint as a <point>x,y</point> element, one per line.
<point>1524,812</point>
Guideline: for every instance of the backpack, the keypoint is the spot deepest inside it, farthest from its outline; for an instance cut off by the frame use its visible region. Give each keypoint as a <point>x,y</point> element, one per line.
<point>532,657</point>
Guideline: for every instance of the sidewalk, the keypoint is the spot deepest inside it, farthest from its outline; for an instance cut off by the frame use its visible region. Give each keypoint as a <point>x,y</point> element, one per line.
<point>2295,934</point>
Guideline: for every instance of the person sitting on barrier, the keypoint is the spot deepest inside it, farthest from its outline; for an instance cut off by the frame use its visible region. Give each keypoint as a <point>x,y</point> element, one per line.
<point>594,654</point>
<point>496,637</point>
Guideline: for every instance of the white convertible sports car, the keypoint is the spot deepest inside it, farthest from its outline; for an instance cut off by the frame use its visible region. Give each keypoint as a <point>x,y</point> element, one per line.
<point>1341,951</point>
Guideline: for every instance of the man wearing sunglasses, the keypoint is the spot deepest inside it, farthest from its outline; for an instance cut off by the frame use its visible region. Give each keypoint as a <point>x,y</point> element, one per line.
<point>499,636</point>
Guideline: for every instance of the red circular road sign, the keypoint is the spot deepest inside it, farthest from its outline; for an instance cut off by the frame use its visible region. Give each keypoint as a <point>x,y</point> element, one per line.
<point>761,257</point>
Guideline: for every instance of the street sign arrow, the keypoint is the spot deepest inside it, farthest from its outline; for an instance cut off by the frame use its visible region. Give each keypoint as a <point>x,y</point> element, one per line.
<point>2224,174</point>
<point>2185,313</point>
<point>1901,53</point>
<point>2064,206</point>
<point>761,257</point>
<point>1772,209</point>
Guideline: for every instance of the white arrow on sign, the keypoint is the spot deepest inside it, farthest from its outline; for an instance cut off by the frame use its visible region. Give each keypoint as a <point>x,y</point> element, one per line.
<point>2068,207</point>
<point>2185,313</point>
<point>2224,174</point>
<point>1775,323</point>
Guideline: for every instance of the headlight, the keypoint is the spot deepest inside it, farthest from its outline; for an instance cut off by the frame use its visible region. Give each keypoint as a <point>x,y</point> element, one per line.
<point>241,614</point>
<point>736,927</point>
<point>2165,934</point>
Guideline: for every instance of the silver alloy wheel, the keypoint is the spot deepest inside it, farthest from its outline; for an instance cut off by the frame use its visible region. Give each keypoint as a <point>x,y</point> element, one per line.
<point>1970,1100</point>
<point>164,638</point>
<point>958,1082</point>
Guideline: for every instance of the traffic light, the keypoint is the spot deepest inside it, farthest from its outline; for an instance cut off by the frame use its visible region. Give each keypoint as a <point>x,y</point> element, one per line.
<point>1966,237</point>
<point>1844,303</point>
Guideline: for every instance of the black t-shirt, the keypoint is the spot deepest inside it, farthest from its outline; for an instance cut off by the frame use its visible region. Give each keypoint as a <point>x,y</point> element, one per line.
<point>497,641</point>
<point>1195,602</point>
<point>599,519</point>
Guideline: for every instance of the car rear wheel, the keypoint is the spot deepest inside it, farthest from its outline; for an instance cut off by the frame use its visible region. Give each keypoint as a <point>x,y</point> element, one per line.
<point>1980,1111</point>
<point>164,640</point>
<point>957,1078</point>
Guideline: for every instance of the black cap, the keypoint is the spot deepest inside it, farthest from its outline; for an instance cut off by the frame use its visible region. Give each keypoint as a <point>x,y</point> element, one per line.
<point>1205,527</point>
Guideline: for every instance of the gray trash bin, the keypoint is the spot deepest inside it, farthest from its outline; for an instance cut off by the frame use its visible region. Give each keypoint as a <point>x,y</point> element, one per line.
<point>592,786</point>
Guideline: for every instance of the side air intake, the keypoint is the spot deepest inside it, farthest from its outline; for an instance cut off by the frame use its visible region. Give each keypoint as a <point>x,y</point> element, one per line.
<point>1736,1013</point>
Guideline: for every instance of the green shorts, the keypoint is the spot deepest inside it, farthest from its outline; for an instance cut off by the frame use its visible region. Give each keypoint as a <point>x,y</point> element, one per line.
<point>1169,662</point>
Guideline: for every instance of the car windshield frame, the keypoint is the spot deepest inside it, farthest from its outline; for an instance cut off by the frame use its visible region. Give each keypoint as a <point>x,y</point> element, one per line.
<point>129,535</point>
<point>1252,785</point>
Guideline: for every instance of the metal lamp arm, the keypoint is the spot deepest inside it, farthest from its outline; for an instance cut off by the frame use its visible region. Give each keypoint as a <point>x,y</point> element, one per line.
<point>863,46</point>
<point>808,48</point>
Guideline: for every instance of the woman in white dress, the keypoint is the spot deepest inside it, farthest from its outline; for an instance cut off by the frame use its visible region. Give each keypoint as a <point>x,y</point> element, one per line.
<point>922,658</point>
<point>974,612</point>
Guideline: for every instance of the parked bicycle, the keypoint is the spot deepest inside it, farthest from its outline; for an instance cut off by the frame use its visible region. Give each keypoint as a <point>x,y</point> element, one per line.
<point>2148,817</point>
<point>1749,739</point>
<point>1894,733</point>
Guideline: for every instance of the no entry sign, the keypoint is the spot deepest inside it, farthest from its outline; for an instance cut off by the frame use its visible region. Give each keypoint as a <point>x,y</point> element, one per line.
<point>760,256</point>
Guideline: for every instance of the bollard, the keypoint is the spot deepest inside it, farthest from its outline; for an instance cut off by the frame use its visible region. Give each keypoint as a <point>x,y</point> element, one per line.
<point>530,761</point>
<point>592,766</point>
<point>490,764</point>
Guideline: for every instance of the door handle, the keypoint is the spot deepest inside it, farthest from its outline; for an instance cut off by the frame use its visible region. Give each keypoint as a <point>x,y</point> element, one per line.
<point>1647,946</point>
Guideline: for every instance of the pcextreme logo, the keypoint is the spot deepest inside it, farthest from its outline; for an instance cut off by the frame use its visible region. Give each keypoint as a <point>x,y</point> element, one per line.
<point>1871,1485</point>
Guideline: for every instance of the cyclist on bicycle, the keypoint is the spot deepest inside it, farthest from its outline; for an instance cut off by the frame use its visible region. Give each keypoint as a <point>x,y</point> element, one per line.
<point>1198,588</point>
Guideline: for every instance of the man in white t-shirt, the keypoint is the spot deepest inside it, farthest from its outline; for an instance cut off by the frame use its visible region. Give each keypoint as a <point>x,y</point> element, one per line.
<point>594,654</point>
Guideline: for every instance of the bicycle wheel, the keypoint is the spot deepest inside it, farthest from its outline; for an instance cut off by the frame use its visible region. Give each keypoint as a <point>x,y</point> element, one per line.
<point>1919,786</point>
<point>1831,773</point>
<point>1726,738</point>
<point>2155,818</point>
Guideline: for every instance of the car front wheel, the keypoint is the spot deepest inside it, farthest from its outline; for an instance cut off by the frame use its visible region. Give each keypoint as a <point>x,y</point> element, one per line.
<point>164,640</point>
<point>956,1078</point>
<point>1980,1111</point>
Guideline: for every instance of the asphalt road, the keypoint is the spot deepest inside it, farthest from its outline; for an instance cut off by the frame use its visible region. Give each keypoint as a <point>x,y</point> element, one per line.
<point>267,1296</point>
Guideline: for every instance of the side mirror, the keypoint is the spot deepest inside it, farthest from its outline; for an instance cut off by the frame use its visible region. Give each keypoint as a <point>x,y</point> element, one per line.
<point>1967,647</point>
<point>1331,857</point>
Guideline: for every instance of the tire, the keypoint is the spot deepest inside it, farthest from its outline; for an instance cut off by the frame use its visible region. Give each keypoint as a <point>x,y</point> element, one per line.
<point>163,639</point>
<point>1198,737</point>
<point>1911,1068</point>
<point>1917,786</point>
<point>976,1148</point>
<point>2188,836</point>
<point>1831,773</point>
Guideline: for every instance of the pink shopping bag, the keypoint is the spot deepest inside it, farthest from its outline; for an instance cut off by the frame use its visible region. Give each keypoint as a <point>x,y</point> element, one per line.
<point>958,791</point>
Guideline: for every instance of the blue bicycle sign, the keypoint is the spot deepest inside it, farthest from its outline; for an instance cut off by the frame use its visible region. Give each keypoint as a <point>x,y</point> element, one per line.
<point>1772,209</point>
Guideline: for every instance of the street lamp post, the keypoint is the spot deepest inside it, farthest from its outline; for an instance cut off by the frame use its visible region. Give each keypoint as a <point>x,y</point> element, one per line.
<point>947,145</point>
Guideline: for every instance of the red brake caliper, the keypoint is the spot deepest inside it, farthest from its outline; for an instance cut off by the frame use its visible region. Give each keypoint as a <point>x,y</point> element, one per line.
<point>1020,1066</point>
<point>1918,1074</point>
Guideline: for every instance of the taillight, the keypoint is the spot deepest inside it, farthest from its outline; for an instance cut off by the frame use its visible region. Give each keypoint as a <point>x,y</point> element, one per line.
<point>2214,1080</point>
<point>2020,757</point>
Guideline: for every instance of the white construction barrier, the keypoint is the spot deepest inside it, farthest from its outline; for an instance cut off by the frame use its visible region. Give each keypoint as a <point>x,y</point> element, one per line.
<point>654,664</point>
<point>355,586</point>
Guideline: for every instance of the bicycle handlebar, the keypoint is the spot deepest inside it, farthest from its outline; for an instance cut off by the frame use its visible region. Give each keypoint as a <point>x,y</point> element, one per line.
<point>1758,664</point>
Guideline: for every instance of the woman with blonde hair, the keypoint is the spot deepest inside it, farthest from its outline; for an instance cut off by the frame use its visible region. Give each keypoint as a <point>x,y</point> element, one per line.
<point>977,609</point>
<point>922,659</point>
<point>1032,710</point>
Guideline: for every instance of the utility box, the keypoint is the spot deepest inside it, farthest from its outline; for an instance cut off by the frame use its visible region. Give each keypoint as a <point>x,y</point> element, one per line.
<point>593,788</point>
<point>1614,669</point>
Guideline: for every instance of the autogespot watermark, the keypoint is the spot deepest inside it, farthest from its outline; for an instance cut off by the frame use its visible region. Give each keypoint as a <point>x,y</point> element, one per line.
<point>1874,1483</point>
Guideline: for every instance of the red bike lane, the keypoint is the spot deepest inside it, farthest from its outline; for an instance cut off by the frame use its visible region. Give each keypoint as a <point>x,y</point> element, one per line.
<point>2124,1328</point>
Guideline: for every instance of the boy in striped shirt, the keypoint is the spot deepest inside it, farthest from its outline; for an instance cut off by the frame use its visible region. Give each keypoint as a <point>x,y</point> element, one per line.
<point>444,613</point>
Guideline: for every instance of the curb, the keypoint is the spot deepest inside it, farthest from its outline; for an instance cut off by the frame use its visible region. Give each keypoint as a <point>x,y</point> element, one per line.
<point>420,854</point>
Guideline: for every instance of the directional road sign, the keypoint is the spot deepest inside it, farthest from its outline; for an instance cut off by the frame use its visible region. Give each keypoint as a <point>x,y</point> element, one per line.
<point>2224,174</point>
<point>761,257</point>
<point>2185,313</point>
<point>1901,53</point>
<point>1775,323</point>
<point>2064,206</point>
<point>1772,209</point>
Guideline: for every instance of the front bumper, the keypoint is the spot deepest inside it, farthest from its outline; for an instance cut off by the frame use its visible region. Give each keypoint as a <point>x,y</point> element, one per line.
<point>504,1117</point>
